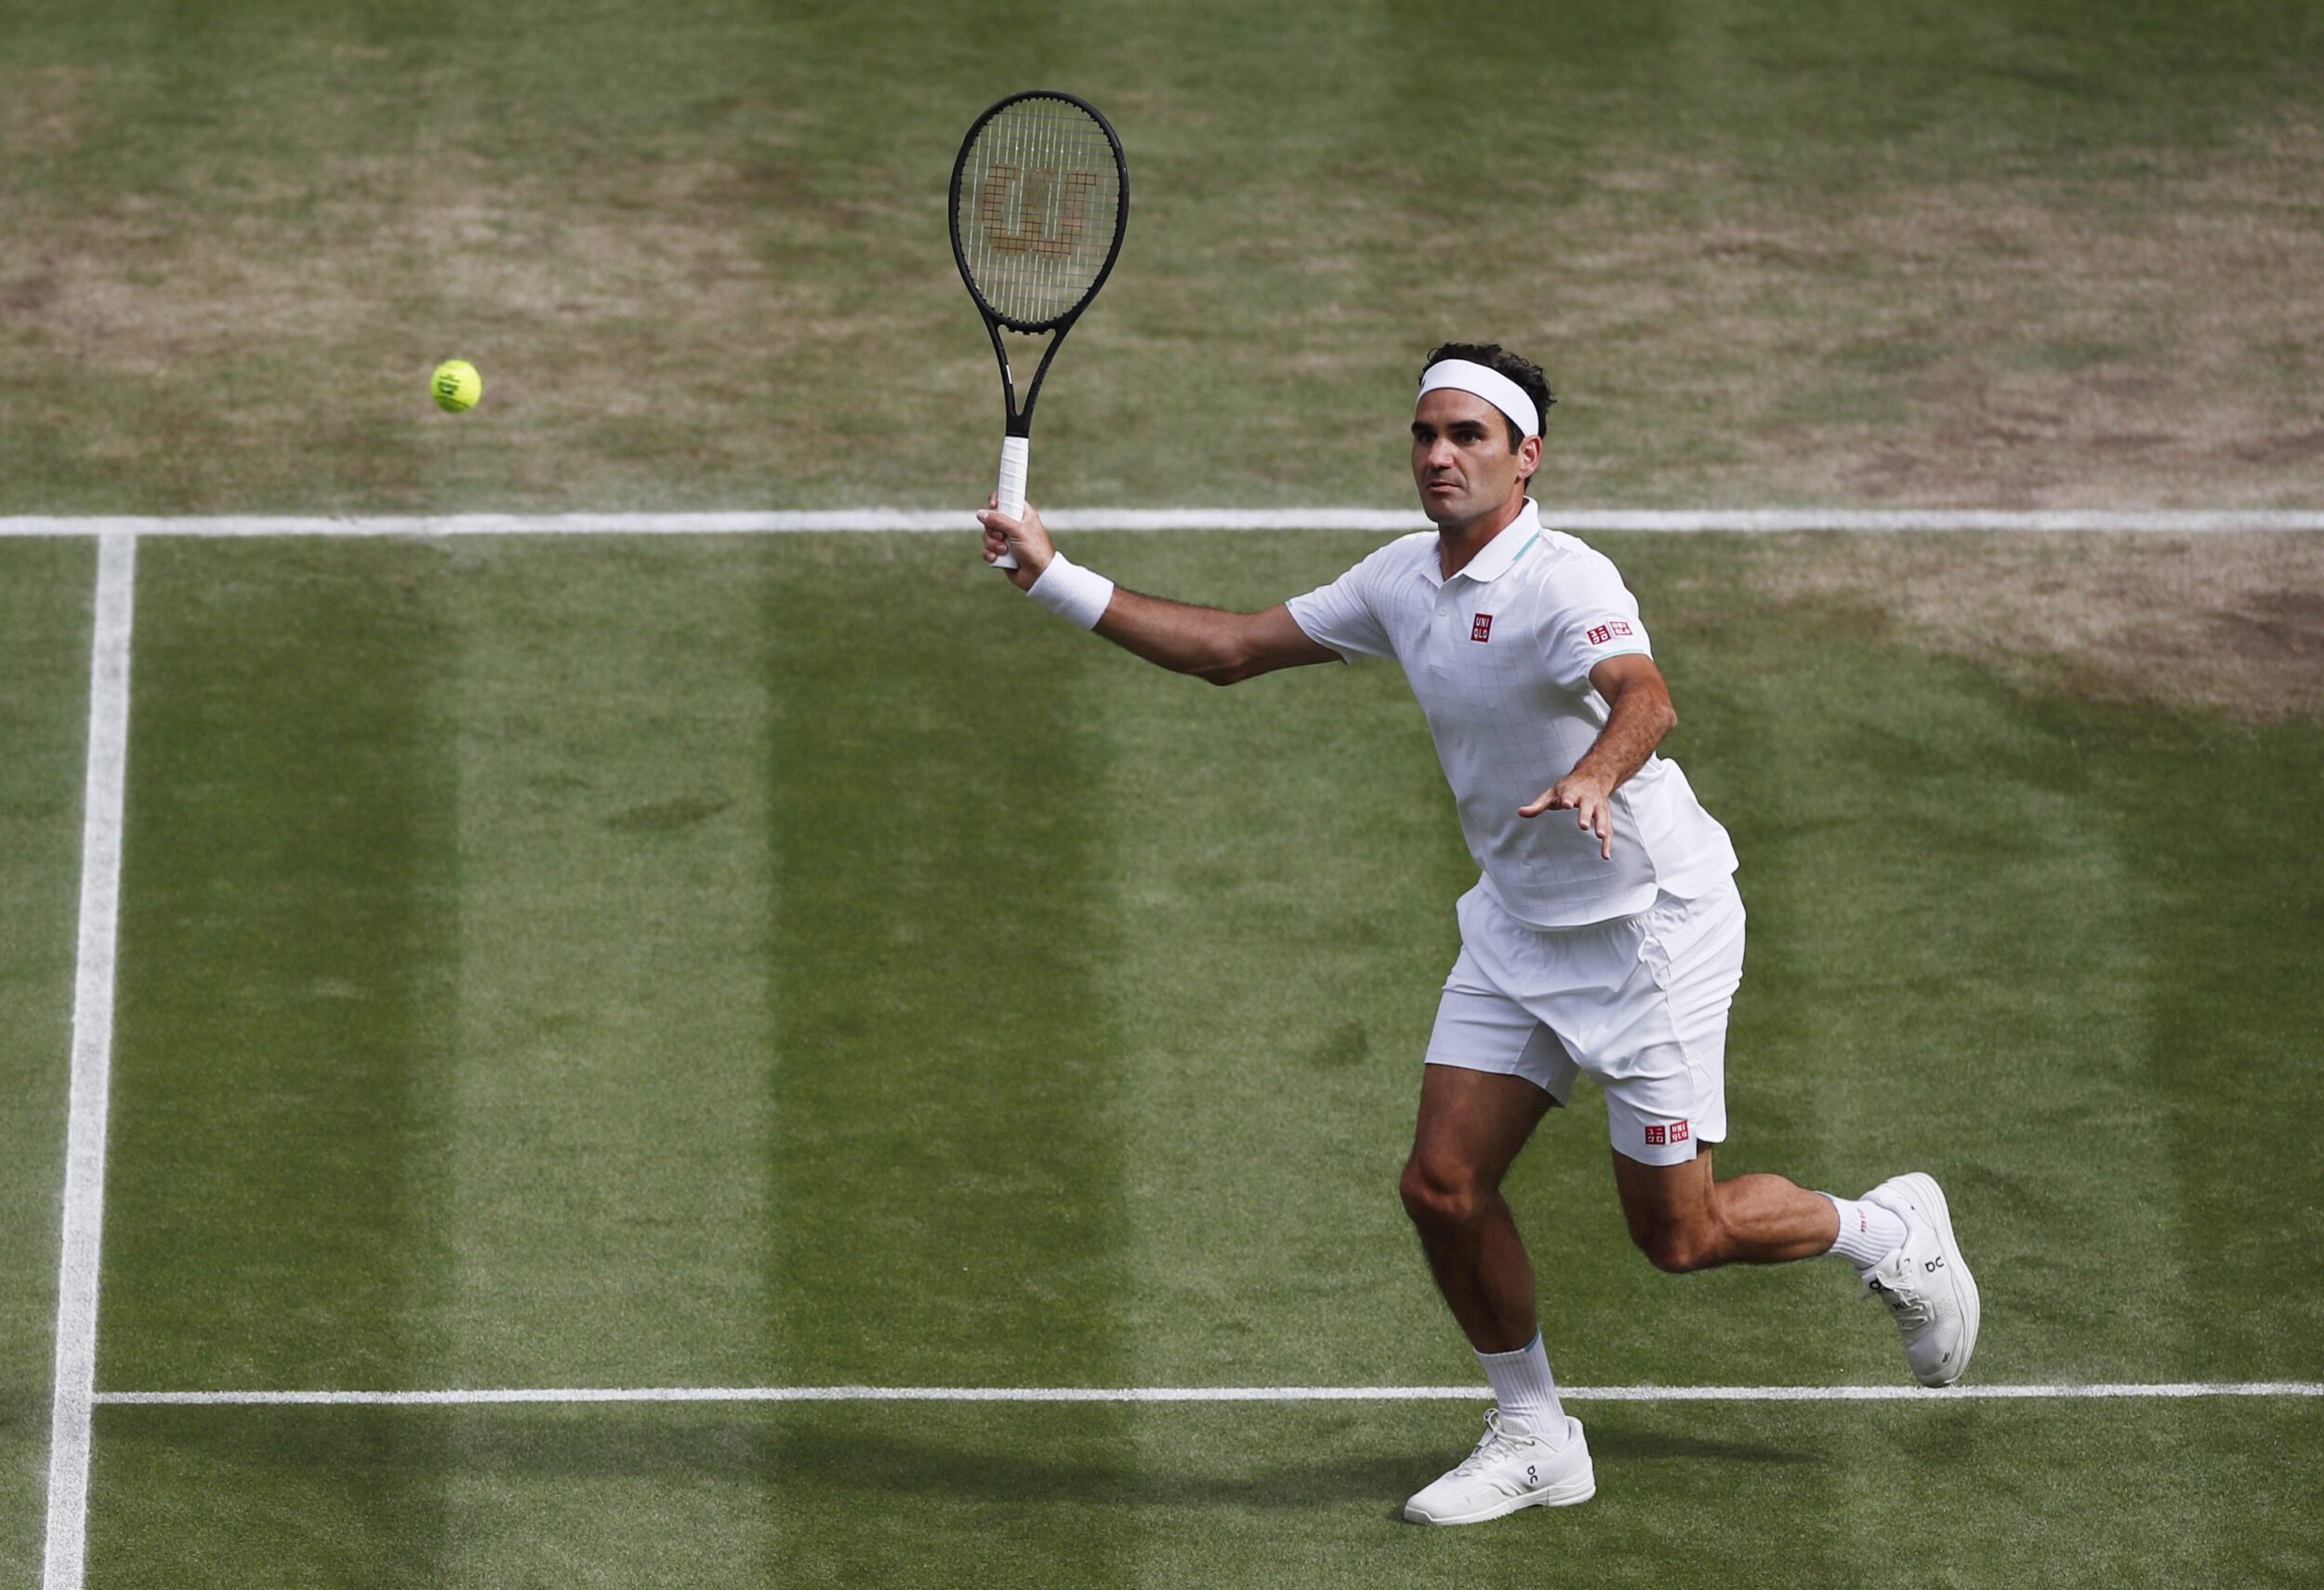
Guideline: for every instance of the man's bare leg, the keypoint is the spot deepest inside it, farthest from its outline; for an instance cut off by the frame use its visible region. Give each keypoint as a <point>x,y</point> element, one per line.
<point>1683,1219</point>
<point>1471,1126</point>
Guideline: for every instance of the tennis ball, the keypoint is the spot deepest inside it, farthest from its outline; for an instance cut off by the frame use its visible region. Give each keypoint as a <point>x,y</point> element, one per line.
<point>456,386</point>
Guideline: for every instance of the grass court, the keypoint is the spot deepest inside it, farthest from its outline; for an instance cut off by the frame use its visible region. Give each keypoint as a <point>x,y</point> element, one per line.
<point>633,962</point>
<point>795,961</point>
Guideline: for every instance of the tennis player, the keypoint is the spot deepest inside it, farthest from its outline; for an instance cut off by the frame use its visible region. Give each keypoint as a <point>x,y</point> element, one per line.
<point>1610,941</point>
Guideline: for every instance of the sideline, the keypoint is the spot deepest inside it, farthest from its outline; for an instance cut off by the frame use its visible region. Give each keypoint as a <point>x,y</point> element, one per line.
<point>873,521</point>
<point>1203,1394</point>
<point>92,1065</point>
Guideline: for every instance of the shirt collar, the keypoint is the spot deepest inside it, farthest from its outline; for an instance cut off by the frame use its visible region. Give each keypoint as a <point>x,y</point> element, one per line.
<point>1497,556</point>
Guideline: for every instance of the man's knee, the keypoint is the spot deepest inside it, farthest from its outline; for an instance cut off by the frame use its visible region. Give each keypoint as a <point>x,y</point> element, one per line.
<point>1442,1197</point>
<point>1678,1246</point>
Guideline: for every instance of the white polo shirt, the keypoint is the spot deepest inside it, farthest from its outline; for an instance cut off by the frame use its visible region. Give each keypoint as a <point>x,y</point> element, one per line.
<point>1500,656</point>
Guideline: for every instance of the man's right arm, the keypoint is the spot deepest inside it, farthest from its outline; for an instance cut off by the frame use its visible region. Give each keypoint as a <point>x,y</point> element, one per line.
<point>1208,642</point>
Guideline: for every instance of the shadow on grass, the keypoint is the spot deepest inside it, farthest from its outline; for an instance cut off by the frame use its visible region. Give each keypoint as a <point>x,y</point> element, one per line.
<point>1624,1446</point>
<point>1091,1465</point>
<point>1084,1470</point>
<point>24,1413</point>
<point>892,1462</point>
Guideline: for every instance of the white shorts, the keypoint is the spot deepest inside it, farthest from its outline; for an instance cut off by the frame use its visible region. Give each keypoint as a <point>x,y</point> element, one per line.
<point>1639,1002</point>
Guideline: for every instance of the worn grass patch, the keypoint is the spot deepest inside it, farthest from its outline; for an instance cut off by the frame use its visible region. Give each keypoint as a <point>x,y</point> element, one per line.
<point>2233,623</point>
<point>2124,327</point>
<point>1770,253</point>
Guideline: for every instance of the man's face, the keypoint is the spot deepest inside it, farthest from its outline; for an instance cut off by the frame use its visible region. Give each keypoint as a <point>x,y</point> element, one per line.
<point>1461,459</point>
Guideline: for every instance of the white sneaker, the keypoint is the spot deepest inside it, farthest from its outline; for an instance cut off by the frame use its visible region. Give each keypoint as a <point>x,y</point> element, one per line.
<point>1924,1283</point>
<point>1512,1468</point>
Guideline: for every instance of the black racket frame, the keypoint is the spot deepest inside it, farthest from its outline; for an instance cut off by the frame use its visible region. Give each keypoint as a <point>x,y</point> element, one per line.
<point>1019,422</point>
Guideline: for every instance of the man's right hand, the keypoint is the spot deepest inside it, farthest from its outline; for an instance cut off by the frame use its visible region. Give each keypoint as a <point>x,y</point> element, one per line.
<point>1027,537</point>
<point>1207,642</point>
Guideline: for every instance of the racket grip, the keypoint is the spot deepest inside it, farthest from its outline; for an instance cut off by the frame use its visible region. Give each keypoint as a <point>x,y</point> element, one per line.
<point>1014,452</point>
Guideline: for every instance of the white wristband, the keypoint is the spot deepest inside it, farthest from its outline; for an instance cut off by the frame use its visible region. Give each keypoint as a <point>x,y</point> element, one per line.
<point>1067,589</point>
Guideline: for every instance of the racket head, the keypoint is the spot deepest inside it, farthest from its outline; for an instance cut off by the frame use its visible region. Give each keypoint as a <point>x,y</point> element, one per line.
<point>1041,202</point>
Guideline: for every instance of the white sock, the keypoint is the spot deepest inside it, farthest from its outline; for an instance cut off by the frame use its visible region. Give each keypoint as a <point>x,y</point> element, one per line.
<point>1523,1385</point>
<point>1868,1232</point>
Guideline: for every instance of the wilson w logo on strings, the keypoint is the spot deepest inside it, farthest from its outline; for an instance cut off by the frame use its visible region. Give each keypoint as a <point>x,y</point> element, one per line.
<point>1052,212</point>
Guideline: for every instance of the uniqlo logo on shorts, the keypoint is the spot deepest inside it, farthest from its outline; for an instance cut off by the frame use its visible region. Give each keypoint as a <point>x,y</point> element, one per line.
<point>1656,1135</point>
<point>1604,632</point>
<point>1678,1132</point>
<point>1483,629</point>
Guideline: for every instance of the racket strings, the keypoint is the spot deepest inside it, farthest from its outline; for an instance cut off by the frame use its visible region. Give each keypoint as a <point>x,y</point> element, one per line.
<point>1041,199</point>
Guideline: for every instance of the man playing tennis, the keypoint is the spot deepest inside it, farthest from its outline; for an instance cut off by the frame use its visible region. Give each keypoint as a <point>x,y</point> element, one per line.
<point>1610,944</point>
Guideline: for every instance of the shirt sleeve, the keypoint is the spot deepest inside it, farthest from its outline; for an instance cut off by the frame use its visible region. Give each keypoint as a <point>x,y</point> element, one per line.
<point>1597,618</point>
<point>1342,615</point>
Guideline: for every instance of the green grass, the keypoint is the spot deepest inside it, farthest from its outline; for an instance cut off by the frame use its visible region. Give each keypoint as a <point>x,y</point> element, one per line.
<point>796,960</point>
<point>2004,251</point>
<point>1796,1496</point>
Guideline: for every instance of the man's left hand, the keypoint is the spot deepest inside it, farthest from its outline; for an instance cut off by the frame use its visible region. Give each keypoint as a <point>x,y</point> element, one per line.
<point>1590,798</point>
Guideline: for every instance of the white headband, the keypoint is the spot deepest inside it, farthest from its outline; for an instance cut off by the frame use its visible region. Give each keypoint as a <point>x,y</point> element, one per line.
<point>1488,384</point>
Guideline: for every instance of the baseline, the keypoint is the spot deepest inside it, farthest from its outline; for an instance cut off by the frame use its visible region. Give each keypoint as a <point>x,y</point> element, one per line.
<point>1198,1394</point>
<point>868,520</point>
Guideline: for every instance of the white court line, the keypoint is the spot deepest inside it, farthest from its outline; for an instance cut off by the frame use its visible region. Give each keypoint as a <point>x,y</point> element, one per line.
<point>1201,1393</point>
<point>92,1064</point>
<point>1380,521</point>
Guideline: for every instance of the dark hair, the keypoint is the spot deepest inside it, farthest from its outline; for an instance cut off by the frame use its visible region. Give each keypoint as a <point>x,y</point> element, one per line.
<point>1493,356</point>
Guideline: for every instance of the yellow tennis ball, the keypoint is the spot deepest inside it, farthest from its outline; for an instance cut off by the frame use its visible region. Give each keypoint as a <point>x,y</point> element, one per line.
<point>456,386</point>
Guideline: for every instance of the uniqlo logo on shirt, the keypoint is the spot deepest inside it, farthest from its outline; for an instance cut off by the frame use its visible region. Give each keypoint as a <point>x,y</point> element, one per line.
<point>1482,629</point>
<point>1604,632</point>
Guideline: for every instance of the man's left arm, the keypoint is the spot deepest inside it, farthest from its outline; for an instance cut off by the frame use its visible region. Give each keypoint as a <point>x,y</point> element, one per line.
<point>1638,714</point>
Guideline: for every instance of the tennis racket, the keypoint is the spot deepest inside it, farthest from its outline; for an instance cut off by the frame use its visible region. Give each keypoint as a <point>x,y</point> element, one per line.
<point>1041,199</point>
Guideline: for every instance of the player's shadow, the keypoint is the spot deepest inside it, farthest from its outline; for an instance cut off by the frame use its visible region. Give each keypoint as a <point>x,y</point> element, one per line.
<point>1083,1463</point>
<point>1626,1445</point>
<point>1094,1471</point>
<point>851,1458</point>
<point>25,1413</point>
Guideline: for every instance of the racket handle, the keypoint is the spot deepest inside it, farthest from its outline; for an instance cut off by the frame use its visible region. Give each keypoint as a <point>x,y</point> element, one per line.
<point>1014,452</point>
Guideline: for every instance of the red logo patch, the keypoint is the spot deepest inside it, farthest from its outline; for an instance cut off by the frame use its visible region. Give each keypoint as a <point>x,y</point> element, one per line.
<point>1656,1135</point>
<point>1607,630</point>
<point>1483,629</point>
<point>1678,1132</point>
